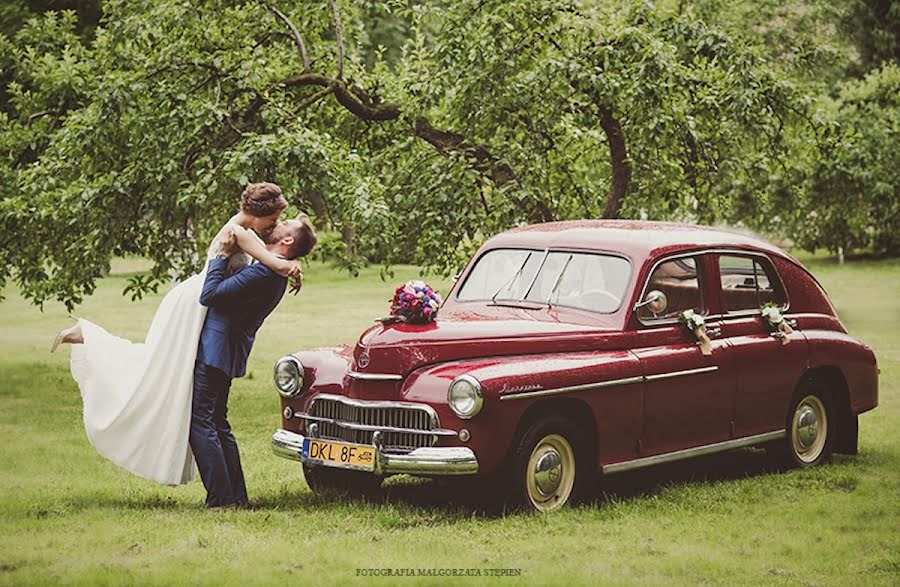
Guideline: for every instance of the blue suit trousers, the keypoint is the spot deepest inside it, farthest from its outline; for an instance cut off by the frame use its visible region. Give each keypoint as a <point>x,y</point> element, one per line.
<point>214,446</point>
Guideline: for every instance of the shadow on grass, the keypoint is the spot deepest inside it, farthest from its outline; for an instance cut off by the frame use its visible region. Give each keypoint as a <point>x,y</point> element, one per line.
<point>404,501</point>
<point>456,499</point>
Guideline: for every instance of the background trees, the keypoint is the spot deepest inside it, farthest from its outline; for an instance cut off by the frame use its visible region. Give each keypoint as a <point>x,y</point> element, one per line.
<point>415,129</point>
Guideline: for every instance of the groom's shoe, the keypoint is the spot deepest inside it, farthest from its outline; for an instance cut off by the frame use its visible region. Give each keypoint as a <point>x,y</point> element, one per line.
<point>249,505</point>
<point>230,506</point>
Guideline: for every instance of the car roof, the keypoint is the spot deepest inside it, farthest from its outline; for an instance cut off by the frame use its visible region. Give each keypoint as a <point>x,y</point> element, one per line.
<point>634,238</point>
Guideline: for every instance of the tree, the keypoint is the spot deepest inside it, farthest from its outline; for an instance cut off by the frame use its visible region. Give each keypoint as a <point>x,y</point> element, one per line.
<point>853,192</point>
<point>482,114</point>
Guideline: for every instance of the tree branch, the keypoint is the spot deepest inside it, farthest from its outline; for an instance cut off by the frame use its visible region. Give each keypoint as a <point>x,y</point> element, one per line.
<point>500,171</point>
<point>345,97</point>
<point>37,115</point>
<point>306,103</point>
<point>298,40</point>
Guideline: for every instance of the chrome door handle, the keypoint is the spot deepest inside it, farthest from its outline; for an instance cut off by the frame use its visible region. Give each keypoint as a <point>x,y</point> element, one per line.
<point>791,323</point>
<point>778,335</point>
<point>713,332</point>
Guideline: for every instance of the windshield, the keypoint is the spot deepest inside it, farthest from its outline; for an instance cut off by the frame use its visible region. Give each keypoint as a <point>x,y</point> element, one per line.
<point>581,280</point>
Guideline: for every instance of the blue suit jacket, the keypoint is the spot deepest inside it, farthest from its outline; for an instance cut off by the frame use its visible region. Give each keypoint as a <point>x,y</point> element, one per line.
<point>237,307</point>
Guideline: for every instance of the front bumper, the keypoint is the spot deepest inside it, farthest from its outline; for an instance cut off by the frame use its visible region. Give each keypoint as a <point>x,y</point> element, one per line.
<point>436,460</point>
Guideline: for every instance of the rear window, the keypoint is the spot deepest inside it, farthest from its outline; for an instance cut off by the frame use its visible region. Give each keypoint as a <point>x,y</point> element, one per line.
<point>748,282</point>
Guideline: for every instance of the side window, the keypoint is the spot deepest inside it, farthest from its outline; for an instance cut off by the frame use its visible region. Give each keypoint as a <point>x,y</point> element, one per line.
<point>679,279</point>
<point>748,282</point>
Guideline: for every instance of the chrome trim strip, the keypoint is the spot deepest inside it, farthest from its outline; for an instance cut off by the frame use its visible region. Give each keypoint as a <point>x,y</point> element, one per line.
<point>364,403</point>
<point>372,428</point>
<point>444,460</point>
<point>574,388</point>
<point>610,383</point>
<point>374,376</point>
<point>686,372</point>
<point>693,452</point>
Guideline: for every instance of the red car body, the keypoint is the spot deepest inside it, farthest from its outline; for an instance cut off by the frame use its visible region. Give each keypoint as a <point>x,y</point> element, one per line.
<point>636,391</point>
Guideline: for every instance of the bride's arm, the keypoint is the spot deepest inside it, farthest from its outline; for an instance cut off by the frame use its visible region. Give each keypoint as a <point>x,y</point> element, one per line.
<point>254,247</point>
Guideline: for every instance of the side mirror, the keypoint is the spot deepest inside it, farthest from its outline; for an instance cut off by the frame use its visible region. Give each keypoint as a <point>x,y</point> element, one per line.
<point>656,301</point>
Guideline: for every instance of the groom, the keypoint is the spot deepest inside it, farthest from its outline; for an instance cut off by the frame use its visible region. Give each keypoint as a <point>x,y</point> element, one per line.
<point>237,307</point>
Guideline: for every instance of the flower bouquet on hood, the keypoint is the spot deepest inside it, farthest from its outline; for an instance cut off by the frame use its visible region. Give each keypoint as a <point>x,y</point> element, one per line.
<point>415,302</point>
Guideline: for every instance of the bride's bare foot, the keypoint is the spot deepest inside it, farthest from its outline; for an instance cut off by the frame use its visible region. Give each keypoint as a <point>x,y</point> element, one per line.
<point>71,335</point>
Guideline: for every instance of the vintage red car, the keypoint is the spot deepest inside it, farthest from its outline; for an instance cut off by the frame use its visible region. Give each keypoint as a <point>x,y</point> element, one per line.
<point>562,351</point>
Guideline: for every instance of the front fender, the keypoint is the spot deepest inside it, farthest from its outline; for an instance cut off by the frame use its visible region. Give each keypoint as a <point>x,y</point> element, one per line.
<point>515,385</point>
<point>325,368</point>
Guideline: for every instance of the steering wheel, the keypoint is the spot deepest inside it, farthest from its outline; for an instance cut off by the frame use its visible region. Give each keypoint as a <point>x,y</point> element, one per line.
<point>598,299</point>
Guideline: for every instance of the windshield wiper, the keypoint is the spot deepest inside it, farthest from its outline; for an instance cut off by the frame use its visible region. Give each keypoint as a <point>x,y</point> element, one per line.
<point>559,279</point>
<point>513,278</point>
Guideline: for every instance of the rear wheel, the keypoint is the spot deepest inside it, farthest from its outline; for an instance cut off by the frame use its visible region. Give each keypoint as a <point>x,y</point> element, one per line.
<point>811,428</point>
<point>550,465</point>
<point>332,481</point>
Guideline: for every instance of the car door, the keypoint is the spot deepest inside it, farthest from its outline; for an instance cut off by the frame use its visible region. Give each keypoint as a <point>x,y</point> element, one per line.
<point>688,396</point>
<point>767,370</point>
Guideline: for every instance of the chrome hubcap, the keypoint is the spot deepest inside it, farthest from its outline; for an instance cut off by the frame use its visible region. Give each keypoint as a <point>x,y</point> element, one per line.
<point>550,476</point>
<point>548,472</point>
<point>809,429</point>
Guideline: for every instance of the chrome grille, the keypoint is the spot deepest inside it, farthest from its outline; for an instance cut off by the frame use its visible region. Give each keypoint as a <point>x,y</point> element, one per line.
<point>377,414</point>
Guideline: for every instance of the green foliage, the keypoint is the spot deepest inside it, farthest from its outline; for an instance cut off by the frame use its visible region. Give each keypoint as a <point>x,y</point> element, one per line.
<point>138,135</point>
<point>853,192</point>
<point>874,25</point>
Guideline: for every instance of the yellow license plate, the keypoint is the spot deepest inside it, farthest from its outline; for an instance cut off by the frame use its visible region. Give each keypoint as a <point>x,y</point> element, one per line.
<point>339,454</point>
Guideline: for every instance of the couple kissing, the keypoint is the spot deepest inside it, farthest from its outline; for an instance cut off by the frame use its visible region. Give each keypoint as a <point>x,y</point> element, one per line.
<point>158,407</point>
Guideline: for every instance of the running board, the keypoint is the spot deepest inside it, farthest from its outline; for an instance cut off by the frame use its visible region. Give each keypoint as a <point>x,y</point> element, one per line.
<point>693,452</point>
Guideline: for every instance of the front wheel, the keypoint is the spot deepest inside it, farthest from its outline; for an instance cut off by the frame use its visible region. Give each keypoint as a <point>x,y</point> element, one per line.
<point>550,465</point>
<point>332,481</point>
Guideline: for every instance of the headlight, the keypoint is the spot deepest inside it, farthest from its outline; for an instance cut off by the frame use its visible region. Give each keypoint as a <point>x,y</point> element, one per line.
<point>465,396</point>
<point>288,376</point>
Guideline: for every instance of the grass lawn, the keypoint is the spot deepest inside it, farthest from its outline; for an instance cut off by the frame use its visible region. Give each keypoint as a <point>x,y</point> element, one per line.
<point>69,516</point>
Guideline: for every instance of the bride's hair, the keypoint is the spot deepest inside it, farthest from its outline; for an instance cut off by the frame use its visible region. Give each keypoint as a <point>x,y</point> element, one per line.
<point>262,199</point>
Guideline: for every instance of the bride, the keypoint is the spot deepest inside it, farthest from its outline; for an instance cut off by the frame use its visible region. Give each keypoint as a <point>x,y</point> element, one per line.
<point>137,396</point>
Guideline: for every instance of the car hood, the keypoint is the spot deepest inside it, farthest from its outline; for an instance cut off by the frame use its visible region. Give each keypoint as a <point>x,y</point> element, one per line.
<point>400,348</point>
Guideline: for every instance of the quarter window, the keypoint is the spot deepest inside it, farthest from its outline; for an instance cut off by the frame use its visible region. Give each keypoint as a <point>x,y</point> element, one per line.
<point>679,279</point>
<point>748,283</point>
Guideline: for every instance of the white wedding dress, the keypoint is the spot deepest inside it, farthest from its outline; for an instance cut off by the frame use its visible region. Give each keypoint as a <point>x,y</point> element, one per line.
<point>137,396</point>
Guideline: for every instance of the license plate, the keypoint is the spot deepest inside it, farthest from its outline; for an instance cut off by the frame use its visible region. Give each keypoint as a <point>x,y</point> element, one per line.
<point>339,454</point>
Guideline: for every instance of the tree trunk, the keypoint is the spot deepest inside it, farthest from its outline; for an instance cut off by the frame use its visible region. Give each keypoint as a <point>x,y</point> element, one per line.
<point>319,207</point>
<point>618,154</point>
<point>348,235</point>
